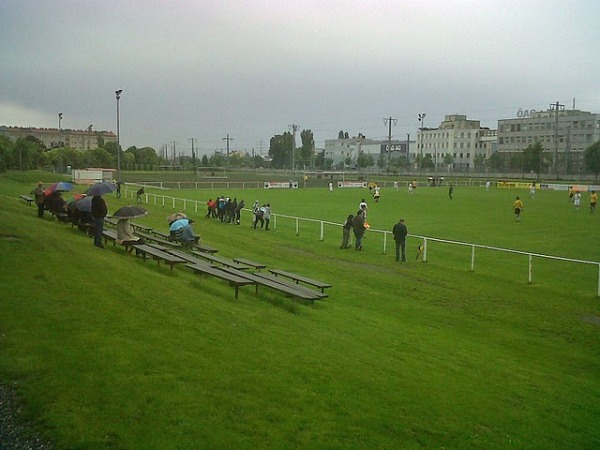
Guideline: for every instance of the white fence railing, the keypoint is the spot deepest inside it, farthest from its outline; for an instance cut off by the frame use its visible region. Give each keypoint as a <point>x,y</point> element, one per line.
<point>196,206</point>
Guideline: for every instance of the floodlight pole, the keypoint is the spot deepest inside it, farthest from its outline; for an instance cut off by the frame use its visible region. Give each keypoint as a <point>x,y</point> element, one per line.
<point>422,120</point>
<point>118,95</point>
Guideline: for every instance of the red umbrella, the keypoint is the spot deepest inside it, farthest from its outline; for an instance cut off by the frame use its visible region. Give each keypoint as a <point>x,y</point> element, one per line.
<point>61,186</point>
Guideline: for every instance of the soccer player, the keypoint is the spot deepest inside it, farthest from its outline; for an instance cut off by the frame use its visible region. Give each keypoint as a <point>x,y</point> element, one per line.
<point>518,207</point>
<point>593,201</point>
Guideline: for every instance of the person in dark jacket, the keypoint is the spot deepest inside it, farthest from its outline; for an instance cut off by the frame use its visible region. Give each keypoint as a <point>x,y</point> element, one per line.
<point>400,231</point>
<point>346,232</point>
<point>358,226</point>
<point>40,198</point>
<point>99,211</point>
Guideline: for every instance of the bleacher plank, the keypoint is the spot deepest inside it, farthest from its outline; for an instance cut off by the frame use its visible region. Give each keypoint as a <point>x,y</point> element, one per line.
<point>297,278</point>
<point>219,260</point>
<point>27,198</point>
<point>157,255</point>
<point>233,279</point>
<point>288,289</point>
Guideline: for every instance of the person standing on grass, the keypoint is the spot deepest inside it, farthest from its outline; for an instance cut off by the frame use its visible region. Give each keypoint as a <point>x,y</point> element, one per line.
<point>577,200</point>
<point>518,207</point>
<point>532,190</point>
<point>346,232</point>
<point>238,211</point>
<point>400,231</point>
<point>330,187</point>
<point>267,215</point>
<point>99,211</point>
<point>593,201</point>
<point>362,206</point>
<point>358,226</point>
<point>40,198</point>
<point>450,191</point>
<point>139,194</point>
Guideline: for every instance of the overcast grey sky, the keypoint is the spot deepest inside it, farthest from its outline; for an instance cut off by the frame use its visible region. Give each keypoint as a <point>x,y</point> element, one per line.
<point>205,68</point>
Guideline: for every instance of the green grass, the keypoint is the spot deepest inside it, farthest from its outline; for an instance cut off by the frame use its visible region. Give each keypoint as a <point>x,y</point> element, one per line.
<point>110,352</point>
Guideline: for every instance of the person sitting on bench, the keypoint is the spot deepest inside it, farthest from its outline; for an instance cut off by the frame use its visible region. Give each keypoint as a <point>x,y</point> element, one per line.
<point>125,234</point>
<point>186,235</point>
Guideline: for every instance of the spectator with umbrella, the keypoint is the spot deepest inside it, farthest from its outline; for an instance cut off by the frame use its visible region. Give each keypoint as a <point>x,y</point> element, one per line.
<point>102,188</point>
<point>99,211</point>
<point>125,234</point>
<point>38,195</point>
<point>181,231</point>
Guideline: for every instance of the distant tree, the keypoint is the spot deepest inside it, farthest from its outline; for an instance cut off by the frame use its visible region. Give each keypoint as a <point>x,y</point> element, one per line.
<point>204,161</point>
<point>216,160</point>
<point>98,157</point>
<point>327,163</point>
<point>592,159</point>
<point>280,150</point>
<point>364,160</point>
<point>305,155</point>
<point>479,161</point>
<point>494,162</point>
<point>341,134</point>
<point>7,154</point>
<point>28,153</point>
<point>427,162</point>
<point>533,159</point>
<point>449,159</point>
<point>399,162</point>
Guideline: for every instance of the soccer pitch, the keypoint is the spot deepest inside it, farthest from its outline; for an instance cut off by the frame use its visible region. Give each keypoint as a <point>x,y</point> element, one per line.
<point>107,351</point>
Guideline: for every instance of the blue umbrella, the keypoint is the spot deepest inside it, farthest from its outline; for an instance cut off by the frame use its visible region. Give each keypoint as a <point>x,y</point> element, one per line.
<point>101,188</point>
<point>179,224</point>
<point>85,204</point>
<point>58,187</point>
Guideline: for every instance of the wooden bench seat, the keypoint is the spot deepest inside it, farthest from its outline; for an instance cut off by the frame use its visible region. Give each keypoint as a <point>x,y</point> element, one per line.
<point>219,260</point>
<point>158,240</point>
<point>60,216</point>
<point>232,278</point>
<point>286,288</point>
<point>297,278</point>
<point>203,248</point>
<point>250,263</point>
<point>145,250</point>
<point>291,284</point>
<point>27,198</point>
<point>200,246</point>
<point>111,235</point>
<point>143,228</point>
<point>183,255</point>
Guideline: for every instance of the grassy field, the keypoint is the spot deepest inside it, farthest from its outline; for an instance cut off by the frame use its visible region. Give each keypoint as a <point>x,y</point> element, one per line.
<point>107,351</point>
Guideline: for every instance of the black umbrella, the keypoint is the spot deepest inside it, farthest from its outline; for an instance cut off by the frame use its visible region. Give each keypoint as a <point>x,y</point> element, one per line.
<point>130,212</point>
<point>101,188</point>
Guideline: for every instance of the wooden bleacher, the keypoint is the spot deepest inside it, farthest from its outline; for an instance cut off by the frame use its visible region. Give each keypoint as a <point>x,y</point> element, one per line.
<point>146,251</point>
<point>27,198</point>
<point>232,278</point>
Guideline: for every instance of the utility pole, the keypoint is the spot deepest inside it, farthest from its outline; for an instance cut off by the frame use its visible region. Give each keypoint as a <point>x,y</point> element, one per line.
<point>407,147</point>
<point>556,107</point>
<point>193,155</point>
<point>294,128</point>
<point>227,139</point>
<point>173,153</point>
<point>388,122</point>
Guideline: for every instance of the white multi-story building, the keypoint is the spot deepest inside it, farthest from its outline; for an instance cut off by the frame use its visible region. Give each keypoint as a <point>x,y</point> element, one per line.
<point>459,137</point>
<point>564,135</point>
<point>54,137</point>
<point>347,150</point>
